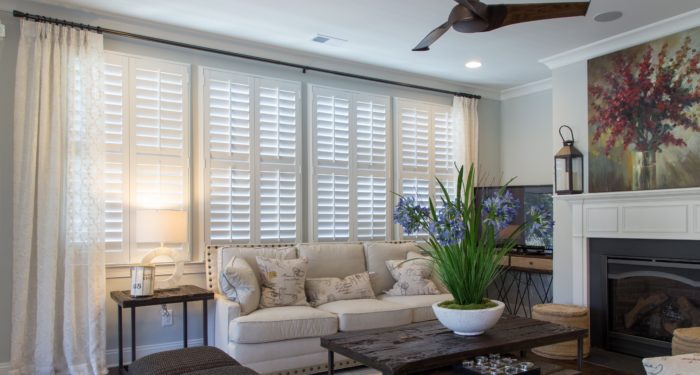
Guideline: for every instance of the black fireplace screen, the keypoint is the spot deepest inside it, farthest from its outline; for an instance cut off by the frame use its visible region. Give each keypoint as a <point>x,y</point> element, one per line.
<point>652,306</point>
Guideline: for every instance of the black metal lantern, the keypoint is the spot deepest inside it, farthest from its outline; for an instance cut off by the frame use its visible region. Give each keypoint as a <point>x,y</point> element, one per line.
<point>568,167</point>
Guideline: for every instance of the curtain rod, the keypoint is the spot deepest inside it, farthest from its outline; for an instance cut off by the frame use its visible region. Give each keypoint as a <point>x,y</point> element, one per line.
<point>304,68</point>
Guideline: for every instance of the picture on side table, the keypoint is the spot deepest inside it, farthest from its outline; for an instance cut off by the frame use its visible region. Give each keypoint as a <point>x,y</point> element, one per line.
<point>644,116</point>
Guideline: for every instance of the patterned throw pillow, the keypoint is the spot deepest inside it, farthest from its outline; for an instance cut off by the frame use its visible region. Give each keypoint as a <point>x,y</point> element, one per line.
<point>673,365</point>
<point>282,281</point>
<point>239,283</point>
<point>412,278</point>
<point>328,289</point>
<point>435,277</point>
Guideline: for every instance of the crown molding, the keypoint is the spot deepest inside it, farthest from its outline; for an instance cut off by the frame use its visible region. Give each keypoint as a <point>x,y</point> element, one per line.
<point>527,89</point>
<point>627,39</point>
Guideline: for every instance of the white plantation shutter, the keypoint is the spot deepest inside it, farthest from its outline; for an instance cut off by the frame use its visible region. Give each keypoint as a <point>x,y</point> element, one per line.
<point>350,165</point>
<point>425,150</point>
<point>147,135</point>
<point>252,141</point>
<point>116,161</point>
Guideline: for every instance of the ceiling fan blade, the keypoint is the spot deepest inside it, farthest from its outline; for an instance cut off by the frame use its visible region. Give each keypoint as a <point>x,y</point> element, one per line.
<point>508,14</point>
<point>432,36</point>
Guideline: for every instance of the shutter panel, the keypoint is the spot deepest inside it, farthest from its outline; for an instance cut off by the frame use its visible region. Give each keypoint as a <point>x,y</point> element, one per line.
<point>229,207</point>
<point>425,151</point>
<point>277,116</point>
<point>415,141</point>
<point>371,133</point>
<point>278,206</point>
<point>333,207</point>
<point>332,130</point>
<point>116,179</point>
<point>371,207</point>
<point>228,116</point>
<point>159,115</point>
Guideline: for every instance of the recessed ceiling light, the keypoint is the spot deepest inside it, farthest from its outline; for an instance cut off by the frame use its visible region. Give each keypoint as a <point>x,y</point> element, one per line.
<point>474,64</point>
<point>608,16</point>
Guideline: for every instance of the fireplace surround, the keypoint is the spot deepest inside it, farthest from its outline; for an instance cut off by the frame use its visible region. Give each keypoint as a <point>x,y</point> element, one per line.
<point>640,291</point>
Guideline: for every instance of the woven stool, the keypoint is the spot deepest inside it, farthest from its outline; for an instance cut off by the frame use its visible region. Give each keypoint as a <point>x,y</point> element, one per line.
<point>686,340</point>
<point>566,315</point>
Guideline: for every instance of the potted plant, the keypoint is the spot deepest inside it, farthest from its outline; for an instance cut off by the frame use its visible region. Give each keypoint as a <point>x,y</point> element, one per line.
<point>462,243</point>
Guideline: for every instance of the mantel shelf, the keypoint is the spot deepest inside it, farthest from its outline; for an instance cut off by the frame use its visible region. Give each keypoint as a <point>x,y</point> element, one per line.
<point>685,193</point>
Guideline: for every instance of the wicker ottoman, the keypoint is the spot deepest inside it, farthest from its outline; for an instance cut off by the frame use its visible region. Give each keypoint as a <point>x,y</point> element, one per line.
<point>566,315</point>
<point>686,340</point>
<point>201,360</point>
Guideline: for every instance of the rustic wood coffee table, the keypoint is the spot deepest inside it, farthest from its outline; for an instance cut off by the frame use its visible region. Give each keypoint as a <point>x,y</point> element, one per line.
<point>429,345</point>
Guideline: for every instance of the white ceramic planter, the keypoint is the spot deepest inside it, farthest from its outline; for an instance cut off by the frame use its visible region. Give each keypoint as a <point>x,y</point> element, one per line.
<point>469,322</point>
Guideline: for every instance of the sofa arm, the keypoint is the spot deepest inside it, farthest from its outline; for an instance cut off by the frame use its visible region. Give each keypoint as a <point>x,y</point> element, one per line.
<point>226,311</point>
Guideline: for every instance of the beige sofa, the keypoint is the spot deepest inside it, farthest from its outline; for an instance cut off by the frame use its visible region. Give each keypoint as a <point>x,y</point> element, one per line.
<point>285,340</point>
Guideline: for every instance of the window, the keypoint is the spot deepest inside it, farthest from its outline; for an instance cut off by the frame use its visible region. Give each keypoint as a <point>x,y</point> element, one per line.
<point>425,150</point>
<point>351,166</point>
<point>148,144</point>
<point>252,146</point>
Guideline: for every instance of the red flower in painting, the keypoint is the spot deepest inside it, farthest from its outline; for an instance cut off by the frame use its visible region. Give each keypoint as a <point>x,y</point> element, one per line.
<point>640,103</point>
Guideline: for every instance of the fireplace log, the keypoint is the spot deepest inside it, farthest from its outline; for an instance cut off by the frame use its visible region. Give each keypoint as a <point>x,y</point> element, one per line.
<point>643,306</point>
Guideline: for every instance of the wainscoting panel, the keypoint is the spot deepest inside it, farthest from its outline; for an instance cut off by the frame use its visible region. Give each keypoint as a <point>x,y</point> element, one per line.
<point>602,219</point>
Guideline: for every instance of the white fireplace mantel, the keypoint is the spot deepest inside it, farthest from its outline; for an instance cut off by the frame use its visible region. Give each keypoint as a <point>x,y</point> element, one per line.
<point>651,214</point>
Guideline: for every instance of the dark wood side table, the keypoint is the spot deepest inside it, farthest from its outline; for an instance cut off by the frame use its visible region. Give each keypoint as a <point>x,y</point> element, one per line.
<point>183,294</point>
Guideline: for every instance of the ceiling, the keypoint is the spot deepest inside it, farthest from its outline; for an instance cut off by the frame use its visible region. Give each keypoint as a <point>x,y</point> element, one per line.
<point>382,32</point>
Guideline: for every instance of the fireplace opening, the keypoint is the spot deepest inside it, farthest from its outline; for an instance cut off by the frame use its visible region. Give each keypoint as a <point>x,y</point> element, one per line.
<point>641,294</point>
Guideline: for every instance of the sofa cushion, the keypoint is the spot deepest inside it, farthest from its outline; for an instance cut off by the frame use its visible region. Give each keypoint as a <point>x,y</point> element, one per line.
<point>435,277</point>
<point>239,283</point>
<point>333,260</point>
<point>421,306</point>
<point>282,323</point>
<point>412,278</point>
<point>359,314</point>
<point>283,282</point>
<point>377,253</point>
<point>328,289</point>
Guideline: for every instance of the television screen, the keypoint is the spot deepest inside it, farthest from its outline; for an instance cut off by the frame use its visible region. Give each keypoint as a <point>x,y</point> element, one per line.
<point>534,208</point>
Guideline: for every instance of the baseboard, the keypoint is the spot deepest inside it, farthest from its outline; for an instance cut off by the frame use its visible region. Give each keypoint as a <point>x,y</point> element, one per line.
<point>141,350</point>
<point>4,368</point>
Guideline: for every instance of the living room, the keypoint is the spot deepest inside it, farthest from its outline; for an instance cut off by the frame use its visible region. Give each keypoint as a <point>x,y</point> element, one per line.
<point>176,165</point>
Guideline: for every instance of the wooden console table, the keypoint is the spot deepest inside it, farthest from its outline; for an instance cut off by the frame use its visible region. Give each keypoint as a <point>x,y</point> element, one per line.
<point>526,275</point>
<point>183,294</point>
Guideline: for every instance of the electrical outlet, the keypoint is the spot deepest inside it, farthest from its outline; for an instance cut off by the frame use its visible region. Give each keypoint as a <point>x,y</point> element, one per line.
<point>166,317</point>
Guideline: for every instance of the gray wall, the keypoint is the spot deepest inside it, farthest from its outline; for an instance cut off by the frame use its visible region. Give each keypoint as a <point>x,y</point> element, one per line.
<point>148,327</point>
<point>526,133</point>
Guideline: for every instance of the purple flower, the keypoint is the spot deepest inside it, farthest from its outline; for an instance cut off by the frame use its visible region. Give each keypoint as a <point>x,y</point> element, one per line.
<point>449,228</point>
<point>541,223</point>
<point>409,214</point>
<point>499,210</point>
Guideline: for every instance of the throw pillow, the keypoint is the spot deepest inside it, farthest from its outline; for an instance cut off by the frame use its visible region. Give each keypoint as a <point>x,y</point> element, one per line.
<point>412,278</point>
<point>673,365</point>
<point>328,289</point>
<point>282,281</point>
<point>434,277</point>
<point>239,283</point>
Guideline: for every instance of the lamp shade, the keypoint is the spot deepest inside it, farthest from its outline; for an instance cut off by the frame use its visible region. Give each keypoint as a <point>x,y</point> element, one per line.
<point>161,226</point>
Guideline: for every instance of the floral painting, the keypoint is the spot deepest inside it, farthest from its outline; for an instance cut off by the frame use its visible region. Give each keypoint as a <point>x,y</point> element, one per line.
<point>644,116</point>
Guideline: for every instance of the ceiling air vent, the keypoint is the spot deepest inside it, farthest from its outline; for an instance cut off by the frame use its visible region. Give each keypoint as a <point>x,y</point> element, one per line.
<point>328,40</point>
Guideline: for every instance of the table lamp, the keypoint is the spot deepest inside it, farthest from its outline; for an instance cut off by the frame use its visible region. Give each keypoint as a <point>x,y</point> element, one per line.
<point>162,227</point>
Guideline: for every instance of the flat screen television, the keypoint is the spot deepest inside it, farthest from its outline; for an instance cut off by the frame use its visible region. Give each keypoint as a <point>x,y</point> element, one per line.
<point>531,198</point>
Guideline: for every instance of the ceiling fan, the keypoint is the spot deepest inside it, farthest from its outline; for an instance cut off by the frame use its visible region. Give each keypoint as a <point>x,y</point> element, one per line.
<point>473,16</point>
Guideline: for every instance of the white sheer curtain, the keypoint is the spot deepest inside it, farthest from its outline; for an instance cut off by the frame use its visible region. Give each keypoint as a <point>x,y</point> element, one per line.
<point>465,122</point>
<point>58,322</point>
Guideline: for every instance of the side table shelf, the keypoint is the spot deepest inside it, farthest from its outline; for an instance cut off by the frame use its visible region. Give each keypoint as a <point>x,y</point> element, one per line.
<point>183,294</point>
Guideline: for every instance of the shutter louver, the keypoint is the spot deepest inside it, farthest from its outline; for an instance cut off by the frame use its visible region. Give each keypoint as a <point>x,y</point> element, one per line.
<point>229,204</point>
<point>278,206</point>
<point>415,139</point>
<point>229,112</point>
<point>371,208</point>
<point>278,123</point>
<point>333,130</point>
<point>444,160</point>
